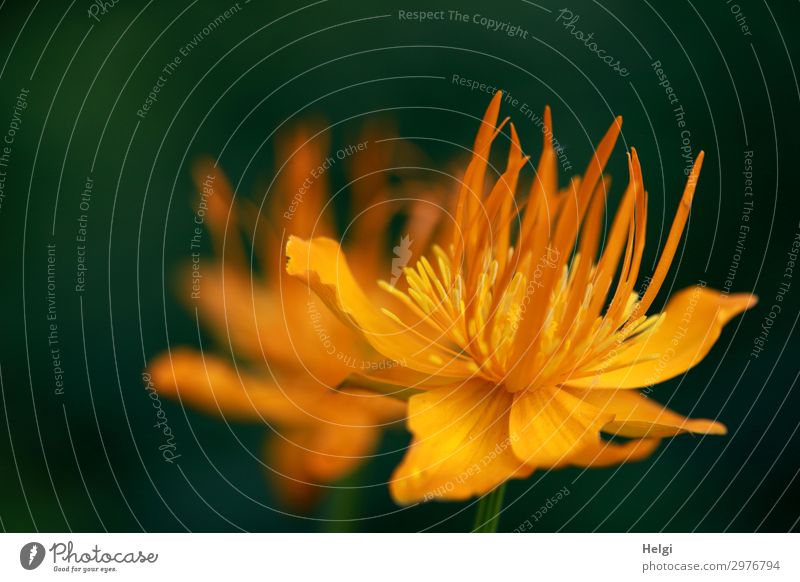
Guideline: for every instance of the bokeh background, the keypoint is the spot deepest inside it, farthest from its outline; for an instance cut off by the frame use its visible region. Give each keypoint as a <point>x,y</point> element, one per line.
<point>88,459</point>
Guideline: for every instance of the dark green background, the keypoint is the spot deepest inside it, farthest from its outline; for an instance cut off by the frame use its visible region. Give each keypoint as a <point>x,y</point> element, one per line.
<point>88,460</point>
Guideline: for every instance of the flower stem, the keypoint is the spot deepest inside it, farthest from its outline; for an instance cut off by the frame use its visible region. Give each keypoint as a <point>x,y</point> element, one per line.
<point>488,516</point>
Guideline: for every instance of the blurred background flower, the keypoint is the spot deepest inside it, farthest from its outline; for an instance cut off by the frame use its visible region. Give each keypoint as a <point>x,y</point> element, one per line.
<point>288,357</point>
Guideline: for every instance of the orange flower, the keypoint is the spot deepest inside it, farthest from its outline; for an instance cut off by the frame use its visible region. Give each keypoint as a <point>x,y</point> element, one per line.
<point>288,353</point>
<point>518,354</point>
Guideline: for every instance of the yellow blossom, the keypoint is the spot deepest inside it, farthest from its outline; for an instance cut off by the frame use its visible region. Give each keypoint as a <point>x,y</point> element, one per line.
<point>524,339</point>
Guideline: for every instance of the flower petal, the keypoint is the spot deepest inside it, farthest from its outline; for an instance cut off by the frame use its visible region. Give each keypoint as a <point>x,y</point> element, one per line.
<point>461,445</point>
<point>549,425</point>
<point>325,452</point>
<point>320,262</point>
<point>209,383</point>
<point>333,451</point>
<point>231,303</point>
<point>636,415</point>
<point>286,471</point>
<point>694,318</point>
<point>303,148</point>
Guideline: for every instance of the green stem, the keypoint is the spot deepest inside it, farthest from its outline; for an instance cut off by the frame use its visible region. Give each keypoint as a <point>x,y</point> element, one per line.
<point>487,517</point>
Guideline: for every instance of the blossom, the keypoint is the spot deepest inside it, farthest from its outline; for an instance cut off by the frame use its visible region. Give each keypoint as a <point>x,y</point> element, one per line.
<point>288,356</point>
<point>524,339</point>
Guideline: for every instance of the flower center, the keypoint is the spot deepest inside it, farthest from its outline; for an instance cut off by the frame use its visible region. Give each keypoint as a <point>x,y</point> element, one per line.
<point>481,321</point>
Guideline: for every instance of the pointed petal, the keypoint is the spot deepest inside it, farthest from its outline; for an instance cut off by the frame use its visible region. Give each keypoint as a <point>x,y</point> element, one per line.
<point>694,318</point>
<point>673,239</point>
<point>300,201</point>
<point>217,201</point>
<point>461,445</point>
<point>636,415</point>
